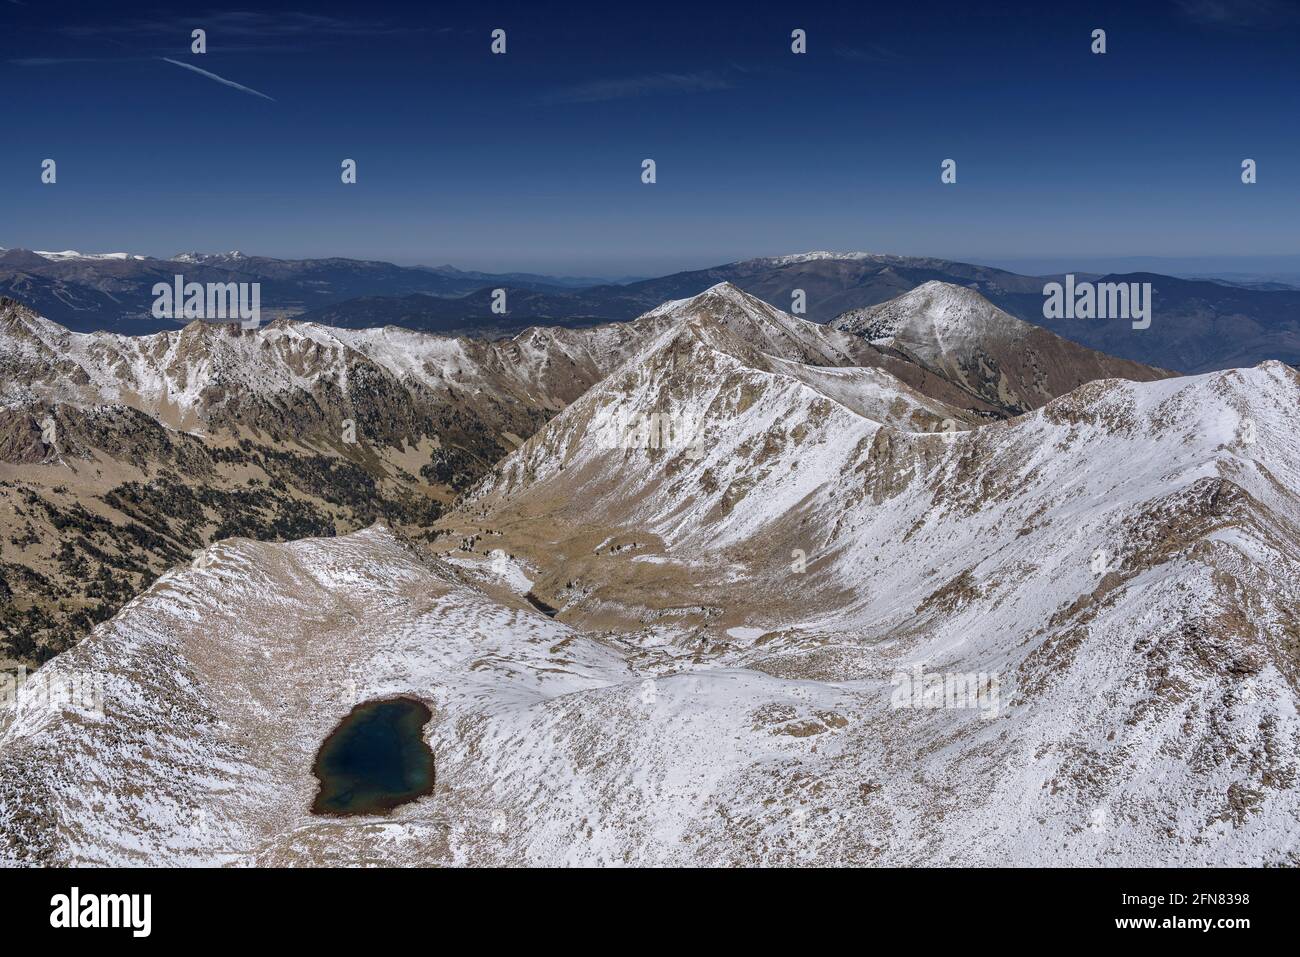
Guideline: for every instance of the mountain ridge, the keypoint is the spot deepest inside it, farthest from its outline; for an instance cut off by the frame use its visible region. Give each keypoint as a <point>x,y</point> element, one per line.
<point>717,680</point>
<point>1201,325</point>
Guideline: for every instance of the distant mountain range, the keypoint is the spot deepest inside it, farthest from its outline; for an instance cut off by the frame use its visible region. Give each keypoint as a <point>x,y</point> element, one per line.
<point>1199,324</point>
<point>113,292</point>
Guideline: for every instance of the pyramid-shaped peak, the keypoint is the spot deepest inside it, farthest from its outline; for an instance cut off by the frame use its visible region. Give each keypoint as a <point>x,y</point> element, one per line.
<point>954,332</point>
<point>727,290</point>
<point>934,308</point>
<point>725,310</point>
<point>939,294</point>
<point>721,298</point>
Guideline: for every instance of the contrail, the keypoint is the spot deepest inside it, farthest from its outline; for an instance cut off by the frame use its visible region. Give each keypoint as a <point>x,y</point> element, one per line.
<point>219,79</point>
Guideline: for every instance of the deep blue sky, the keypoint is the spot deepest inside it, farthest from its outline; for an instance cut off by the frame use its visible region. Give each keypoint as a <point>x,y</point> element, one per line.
<point>532,160</point>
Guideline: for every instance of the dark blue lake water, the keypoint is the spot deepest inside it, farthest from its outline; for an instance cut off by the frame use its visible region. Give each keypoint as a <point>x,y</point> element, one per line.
<point>376,759</point>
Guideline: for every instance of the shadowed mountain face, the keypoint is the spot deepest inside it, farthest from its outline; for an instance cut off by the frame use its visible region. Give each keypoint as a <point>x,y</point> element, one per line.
<point>698,617</point>
<point>119,456</point>
<point>1198,325</point>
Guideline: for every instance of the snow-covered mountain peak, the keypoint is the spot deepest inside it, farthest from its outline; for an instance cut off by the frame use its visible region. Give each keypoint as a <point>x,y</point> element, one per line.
<point>818,255</point>
<point>72,254</point>
<point>934,313</point>
<point>719,293</point>
<point>198,258</point>
<point>727,309</point>
<point>955,332</point>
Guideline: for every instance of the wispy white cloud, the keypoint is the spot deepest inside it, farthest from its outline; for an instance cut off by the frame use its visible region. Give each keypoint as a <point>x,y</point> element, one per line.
<point>652,84</point>
<point>219,79</point>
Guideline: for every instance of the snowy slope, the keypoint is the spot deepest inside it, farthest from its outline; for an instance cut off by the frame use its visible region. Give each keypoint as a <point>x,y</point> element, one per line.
<point>762,428</point>
<point>1123,561</point>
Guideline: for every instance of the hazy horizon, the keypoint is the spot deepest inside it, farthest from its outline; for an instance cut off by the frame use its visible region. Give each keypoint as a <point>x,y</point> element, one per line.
<point>1280,267</point>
